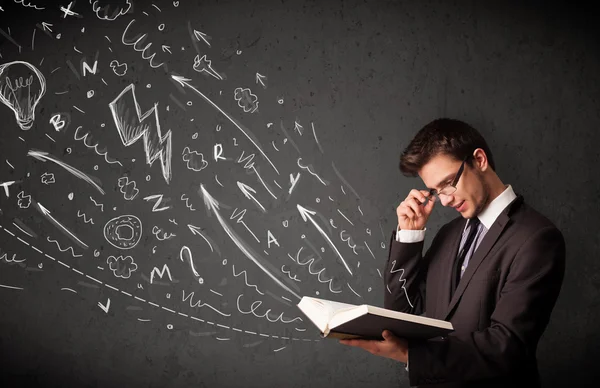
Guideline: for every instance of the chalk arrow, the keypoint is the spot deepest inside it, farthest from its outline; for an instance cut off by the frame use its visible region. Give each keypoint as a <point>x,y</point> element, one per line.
<point>307,215</point>
<point>246,190</point>
<point>213,206</point>
<point>103,307</point>
<point>202,36</point>
<point>184,83</point>
<point>46,213</point>
<point>197,231</point>
<point>261,79</point>
<point>166,48</point>
<point>46,26</point>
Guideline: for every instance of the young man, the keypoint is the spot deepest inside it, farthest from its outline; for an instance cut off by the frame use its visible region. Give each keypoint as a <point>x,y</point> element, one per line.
<point>495,271</point>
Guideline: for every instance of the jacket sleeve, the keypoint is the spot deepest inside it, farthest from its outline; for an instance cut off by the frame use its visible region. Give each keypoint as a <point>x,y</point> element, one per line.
<point>517,322</point>
<point>404,275</point>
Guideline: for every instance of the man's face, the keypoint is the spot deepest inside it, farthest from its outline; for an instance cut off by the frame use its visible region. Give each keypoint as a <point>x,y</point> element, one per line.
<point>472,193</point>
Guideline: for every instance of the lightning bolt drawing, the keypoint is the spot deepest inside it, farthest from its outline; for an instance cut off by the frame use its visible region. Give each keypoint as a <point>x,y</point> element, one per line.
<point>132,125</point>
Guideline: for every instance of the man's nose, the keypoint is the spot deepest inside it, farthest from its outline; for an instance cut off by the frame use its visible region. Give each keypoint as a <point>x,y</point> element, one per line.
<point>446,199</point>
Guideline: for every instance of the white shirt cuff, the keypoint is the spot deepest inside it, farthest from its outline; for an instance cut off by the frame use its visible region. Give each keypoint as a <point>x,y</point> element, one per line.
<point>410,236</point>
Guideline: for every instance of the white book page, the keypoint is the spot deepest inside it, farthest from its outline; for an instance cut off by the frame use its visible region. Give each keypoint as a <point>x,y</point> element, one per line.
<point>320,311</point>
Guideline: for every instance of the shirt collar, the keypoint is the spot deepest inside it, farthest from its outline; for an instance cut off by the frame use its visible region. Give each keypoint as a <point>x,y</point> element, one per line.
<point>492,211</point>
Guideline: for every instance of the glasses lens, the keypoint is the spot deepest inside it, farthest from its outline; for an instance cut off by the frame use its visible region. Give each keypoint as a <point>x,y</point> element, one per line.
<point>448,190</point>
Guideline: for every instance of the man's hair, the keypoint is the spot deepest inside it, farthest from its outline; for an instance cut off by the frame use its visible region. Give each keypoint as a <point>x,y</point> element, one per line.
<point>443,136</point>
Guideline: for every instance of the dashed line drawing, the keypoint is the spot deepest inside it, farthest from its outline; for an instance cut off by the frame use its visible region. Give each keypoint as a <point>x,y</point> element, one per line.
<point>21,90</point>
<point>23,228</point>
<point>11,287</point>
<point>132,127</point>
<point>63,250</point>
<point>68,289</point>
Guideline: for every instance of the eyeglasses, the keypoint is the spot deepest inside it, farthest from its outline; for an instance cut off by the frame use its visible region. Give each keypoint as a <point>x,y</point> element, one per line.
<point>450,188</point>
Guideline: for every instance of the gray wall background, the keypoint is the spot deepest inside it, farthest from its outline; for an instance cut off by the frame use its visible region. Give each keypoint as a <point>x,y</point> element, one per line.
<point>367,75</point>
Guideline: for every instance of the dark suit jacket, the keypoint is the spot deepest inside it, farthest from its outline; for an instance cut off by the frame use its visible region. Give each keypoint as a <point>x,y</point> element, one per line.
<point>499,310</point>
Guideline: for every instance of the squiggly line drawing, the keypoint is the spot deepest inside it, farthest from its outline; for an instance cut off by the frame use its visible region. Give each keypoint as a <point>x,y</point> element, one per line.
<point>156,305</point>
<point>200,304</point>
<point>156,231</point>
<point>312,173</point>
<point>22,2</point>
<point>101,206</point>
<point>186,199</point>
<point>63,250</point>
<point>94,147</point>
<point>85,220</point>
<point>401,280</point>
<point>310,261</point>
<point>245,279</point>
<point>139,40</point>
<point>288,273</point>
<point>256,304</point>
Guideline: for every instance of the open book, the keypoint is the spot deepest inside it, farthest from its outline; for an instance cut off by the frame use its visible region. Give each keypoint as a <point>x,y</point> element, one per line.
<point>343,320</point>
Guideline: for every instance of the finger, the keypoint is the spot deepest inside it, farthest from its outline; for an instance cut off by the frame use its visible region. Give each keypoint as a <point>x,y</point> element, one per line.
<point>418,194</point>
<point>415,206</point>
<point>406,211</point>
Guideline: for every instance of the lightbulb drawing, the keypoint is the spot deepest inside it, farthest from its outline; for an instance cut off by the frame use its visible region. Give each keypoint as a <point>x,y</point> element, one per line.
<point>21,88</point>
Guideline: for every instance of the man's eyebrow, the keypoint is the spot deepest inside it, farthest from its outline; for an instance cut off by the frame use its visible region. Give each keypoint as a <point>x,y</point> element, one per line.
<point>447,178</point>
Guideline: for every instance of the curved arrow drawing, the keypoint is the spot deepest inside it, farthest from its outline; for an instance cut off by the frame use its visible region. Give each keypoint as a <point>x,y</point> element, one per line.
<point>46,213</point>
<point>184,82</point>
<point>213,206</point>
<point>247,190</point>
<point>307,214</point>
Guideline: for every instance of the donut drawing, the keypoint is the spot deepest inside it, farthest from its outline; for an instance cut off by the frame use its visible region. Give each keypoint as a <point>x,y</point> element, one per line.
<point>114,234</point>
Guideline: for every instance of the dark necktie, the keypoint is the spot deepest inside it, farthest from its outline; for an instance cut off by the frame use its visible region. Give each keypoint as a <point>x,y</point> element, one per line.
<point>473,227</point>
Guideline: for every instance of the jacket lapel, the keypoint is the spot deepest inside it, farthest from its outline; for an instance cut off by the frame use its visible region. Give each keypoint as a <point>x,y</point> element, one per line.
<point>481,252</point>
